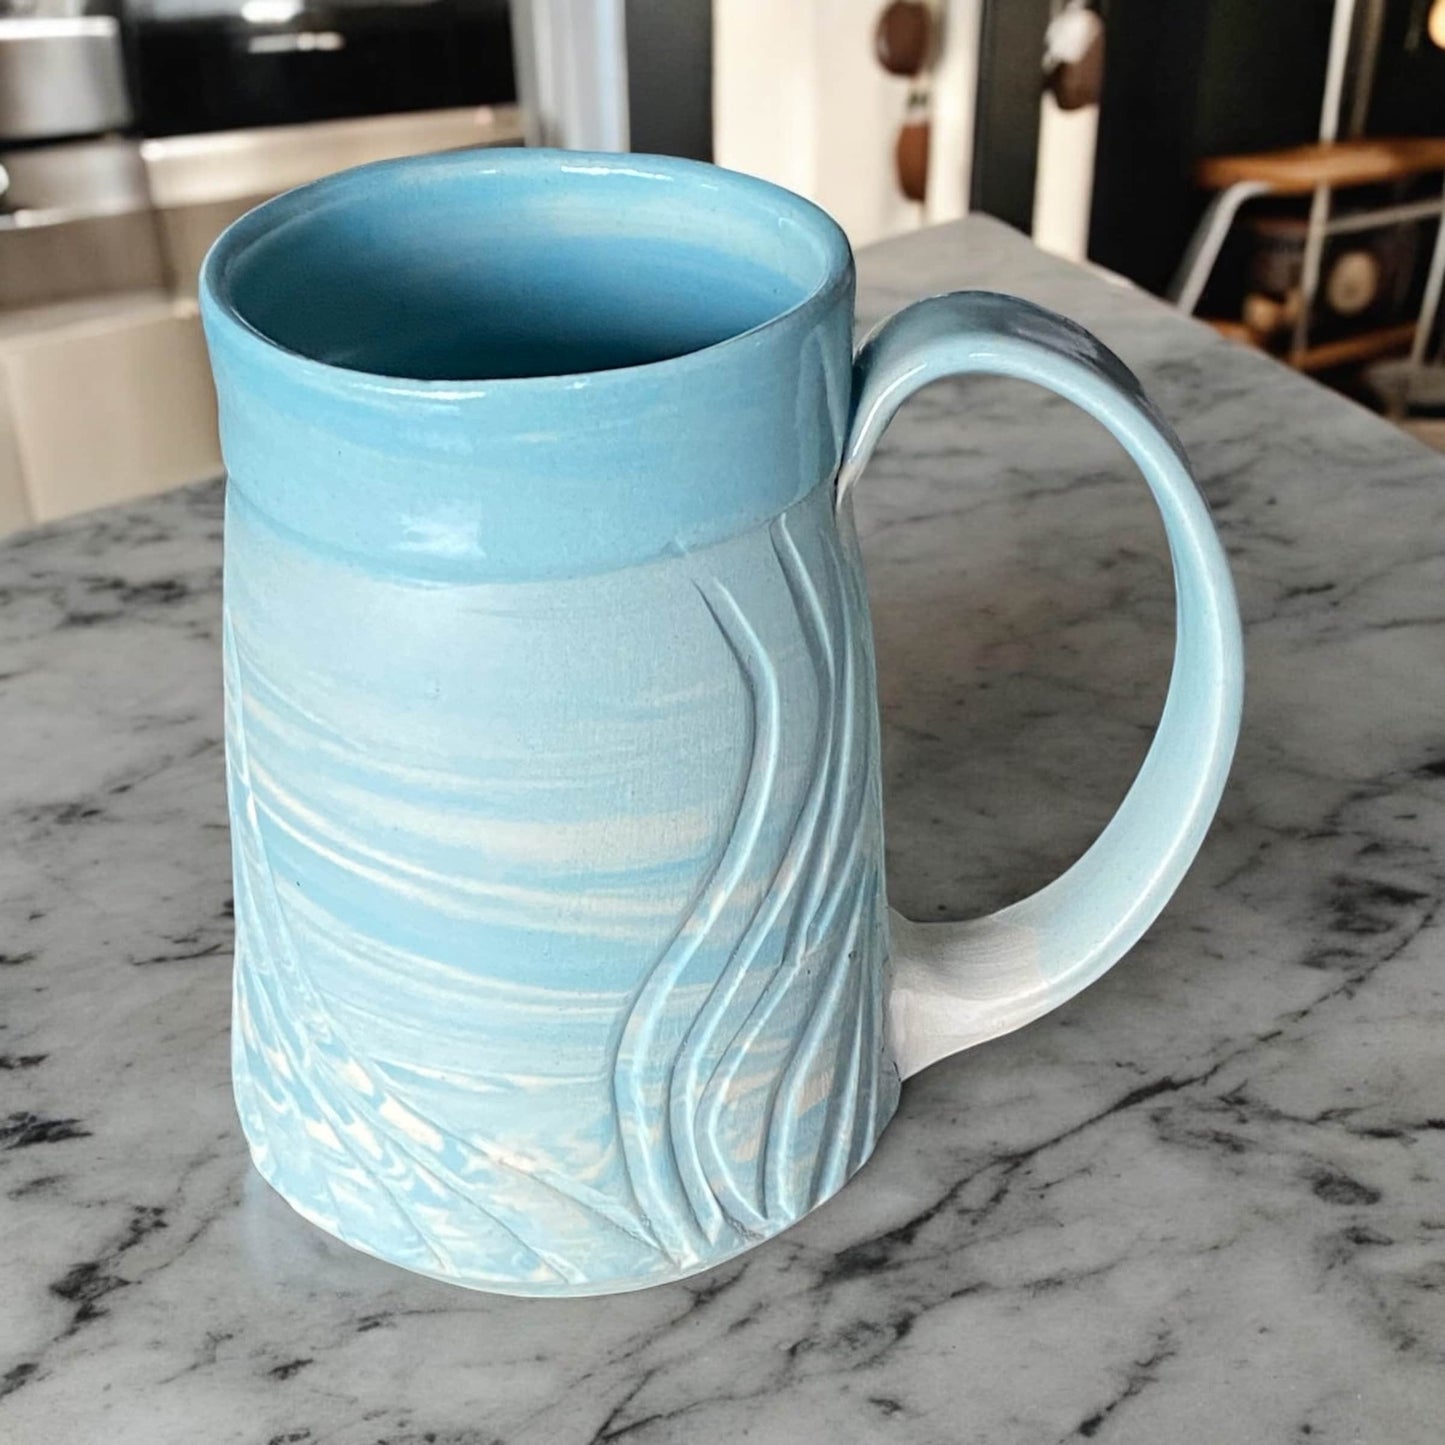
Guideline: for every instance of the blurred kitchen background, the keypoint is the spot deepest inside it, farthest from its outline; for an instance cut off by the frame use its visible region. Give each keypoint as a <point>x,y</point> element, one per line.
<point>1275,167</point>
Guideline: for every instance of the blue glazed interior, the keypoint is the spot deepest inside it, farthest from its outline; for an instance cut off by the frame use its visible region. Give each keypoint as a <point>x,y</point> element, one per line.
<point>513,365</point>
<point>496,269</point>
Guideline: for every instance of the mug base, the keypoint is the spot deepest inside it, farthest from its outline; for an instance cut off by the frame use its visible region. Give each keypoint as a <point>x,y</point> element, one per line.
<point>552,1289</point>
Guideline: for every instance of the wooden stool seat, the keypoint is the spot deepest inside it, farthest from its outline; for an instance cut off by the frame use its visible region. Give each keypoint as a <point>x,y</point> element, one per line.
<point>1318,170</point>
<point>1299,169</point>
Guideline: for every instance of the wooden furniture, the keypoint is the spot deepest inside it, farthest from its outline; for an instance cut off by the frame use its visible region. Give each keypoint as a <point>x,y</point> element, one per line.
<point>1299,169</point>
<point>1318,170</point>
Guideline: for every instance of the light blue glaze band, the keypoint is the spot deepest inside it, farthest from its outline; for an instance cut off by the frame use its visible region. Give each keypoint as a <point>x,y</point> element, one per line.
<point>562,951</point>
<point>536,476</point>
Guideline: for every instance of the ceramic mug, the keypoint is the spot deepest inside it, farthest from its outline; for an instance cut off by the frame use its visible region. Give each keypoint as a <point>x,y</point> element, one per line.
<point>563,963</point>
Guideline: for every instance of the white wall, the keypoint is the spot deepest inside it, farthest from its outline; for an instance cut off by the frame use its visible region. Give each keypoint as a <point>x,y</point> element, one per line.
<point>1064,181</point>
<point>799,99</point>
<point>571,58</point>
<point>149,418</point>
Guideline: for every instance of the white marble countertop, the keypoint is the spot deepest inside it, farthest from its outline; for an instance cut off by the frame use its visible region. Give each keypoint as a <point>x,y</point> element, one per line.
<point>1203,1202</point>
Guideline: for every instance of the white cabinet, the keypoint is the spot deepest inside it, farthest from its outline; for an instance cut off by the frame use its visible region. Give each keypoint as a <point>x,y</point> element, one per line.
<point>109,398</point>
<point>101,402</point>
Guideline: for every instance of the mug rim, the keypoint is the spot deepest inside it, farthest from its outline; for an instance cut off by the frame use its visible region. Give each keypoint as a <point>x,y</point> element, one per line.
<point>219,305</point>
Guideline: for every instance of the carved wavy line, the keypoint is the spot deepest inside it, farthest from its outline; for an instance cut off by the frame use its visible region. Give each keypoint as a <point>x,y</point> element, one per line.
<point>872,982</point>
<point>779,1135</point>
<point>835,777</point>
<point>787,1111</point>
<point>852,800</point>
<point>876,984</point>
<point>839,1132</point>
<point>645,1014</point>
<point>839,879</point>
<point>807,606</point>
<point>700,1052</point>
<point>853,1088</point>
<point>782,885</point>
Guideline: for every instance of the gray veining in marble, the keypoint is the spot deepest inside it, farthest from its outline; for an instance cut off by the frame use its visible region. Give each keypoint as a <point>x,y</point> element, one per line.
<point>1203,1202</point>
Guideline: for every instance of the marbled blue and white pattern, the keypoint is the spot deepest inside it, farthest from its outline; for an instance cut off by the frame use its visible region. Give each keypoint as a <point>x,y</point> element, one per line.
<point>1202,1201</point>
<point>560,927</point>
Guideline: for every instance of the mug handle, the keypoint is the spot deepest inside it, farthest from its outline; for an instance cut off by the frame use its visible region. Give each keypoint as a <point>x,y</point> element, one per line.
<point>957,984</point>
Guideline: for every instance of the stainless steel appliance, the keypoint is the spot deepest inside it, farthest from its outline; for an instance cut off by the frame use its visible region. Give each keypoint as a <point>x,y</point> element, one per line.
<point>200,183</point>
<point>61,75</point>
<point>128,142</point>
<point>237,100</point>
<point>237,64</point>
<point>76,220</point>
<point>74,207</point>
